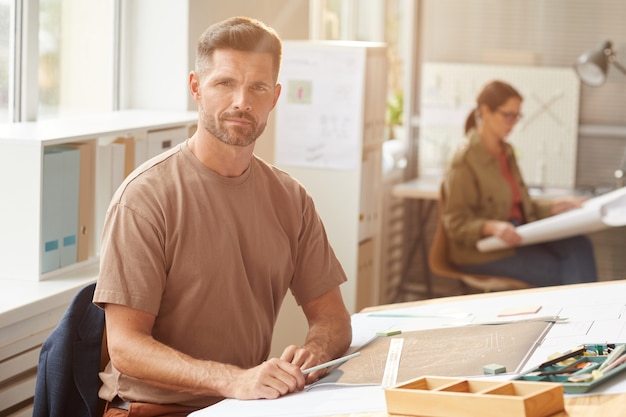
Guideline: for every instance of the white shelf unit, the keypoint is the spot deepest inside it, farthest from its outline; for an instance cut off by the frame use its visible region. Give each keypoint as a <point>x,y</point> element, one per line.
<point>328,110</point>
<point>32,303</point>
<point>22,147</point>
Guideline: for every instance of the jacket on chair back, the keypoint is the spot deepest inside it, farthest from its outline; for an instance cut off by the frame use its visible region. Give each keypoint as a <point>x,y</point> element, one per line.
<point>69,362</point>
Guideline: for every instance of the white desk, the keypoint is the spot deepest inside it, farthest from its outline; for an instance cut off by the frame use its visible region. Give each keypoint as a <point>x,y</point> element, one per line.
<point>592,302</point>
<point>424,193</point>
<point>419,188</point>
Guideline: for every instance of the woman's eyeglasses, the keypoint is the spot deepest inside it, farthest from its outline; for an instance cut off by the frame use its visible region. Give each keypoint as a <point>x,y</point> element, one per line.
<point>510,117</point>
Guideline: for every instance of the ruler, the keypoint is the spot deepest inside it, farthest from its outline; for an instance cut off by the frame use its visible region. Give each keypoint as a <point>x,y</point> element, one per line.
<point>393,362</point>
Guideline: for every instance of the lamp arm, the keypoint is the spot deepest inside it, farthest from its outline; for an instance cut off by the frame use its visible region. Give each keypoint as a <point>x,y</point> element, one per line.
<point>619,66</point>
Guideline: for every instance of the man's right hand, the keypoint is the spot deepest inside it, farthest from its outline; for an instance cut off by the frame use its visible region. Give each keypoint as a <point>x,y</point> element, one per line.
<point>271,379</point>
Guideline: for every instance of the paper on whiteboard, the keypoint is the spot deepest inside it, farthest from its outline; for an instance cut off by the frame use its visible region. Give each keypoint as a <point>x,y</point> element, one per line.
<point>602,212</point>
<point>319,115</point>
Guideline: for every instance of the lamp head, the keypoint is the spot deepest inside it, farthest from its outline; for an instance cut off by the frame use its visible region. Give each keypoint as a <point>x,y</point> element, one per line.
<point>593,65</point>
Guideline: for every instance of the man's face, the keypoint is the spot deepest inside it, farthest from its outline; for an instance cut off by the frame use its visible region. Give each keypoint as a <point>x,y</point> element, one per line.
<point>236,95</point>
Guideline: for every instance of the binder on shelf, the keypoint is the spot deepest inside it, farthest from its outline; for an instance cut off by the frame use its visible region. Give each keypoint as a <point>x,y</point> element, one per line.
<point>86,200</point>
<point>68,216</point>
<point>110,175</point>
<point>51,205</point>
<point>60,194</point>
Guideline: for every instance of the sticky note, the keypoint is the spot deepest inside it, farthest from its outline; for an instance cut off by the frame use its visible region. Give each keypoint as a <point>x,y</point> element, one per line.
<point>389,333</point>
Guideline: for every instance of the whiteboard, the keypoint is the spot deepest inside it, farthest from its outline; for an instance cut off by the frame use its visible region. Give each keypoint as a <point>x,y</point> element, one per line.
<point>319,115</point>
<point>545,139</point>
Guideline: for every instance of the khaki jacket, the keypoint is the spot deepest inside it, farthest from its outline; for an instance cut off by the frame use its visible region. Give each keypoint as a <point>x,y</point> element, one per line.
<point>476,191</point>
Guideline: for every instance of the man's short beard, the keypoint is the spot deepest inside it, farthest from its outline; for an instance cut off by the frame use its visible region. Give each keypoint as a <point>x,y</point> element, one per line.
<point>236,136</point>
<point>230,138</point>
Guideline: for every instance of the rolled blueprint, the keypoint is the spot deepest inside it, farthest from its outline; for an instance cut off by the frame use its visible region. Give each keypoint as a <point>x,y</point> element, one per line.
<point>598,213</point>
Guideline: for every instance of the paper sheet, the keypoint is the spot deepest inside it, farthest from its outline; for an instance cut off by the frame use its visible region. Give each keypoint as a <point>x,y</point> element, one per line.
<point>317,402</point>
<point>602,212</point>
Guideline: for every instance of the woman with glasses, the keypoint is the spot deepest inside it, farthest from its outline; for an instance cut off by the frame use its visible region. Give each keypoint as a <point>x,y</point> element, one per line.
<point>485,195</point>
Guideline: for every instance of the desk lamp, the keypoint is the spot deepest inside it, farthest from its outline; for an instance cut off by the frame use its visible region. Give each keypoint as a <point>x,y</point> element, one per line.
<point>593,65</point>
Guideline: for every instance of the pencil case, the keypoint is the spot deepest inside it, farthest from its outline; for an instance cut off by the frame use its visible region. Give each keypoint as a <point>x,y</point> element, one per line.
<point>582,370</point>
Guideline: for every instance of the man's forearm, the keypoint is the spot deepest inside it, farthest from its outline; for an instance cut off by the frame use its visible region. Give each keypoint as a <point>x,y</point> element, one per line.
<point>169,369</point>
<point>330,338</point>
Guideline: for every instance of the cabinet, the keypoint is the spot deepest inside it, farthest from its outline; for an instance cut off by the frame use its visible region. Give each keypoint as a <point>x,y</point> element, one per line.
<point>33,301</point>
<point>330,122</point>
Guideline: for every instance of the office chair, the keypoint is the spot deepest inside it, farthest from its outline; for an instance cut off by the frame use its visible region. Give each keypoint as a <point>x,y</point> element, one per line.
<point>69,362</point>
<point>440,263</point>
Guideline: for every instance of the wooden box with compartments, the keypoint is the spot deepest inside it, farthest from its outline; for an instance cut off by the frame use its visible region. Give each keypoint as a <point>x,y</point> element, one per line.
<point>457,397</point>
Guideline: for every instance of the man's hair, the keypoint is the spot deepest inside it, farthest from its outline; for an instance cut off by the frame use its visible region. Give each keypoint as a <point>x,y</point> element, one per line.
<point>239,33</point>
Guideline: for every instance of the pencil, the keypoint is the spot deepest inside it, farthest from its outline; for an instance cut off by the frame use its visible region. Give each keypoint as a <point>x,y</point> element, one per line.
<point>617,362</point>
<point>615,353</point>
<point>330,363</point>
<point>574,352</point>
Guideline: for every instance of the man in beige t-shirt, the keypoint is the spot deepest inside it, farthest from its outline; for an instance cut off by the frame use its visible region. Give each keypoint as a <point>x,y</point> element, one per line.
<point>201,244</point>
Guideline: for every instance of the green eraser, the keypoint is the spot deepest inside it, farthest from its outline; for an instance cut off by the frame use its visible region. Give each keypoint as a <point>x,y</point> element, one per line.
<point>494,368</point>
<point>389,333</point>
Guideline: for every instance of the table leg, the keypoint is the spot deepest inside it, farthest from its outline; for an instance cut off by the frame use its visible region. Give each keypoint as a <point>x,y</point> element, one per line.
<point>424,210</point>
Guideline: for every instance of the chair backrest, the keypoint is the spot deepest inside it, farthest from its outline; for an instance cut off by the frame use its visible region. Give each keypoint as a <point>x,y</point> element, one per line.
<point>70,359</point>
<point>440,264</point>
<point>438,259</point>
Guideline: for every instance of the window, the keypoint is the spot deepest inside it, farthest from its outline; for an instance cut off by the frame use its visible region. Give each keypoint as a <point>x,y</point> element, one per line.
<point>376,21</point>
<point>57,58</point>
<point>75,57</point>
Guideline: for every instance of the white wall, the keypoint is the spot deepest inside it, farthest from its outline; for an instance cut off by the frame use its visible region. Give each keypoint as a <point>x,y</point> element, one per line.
<point>155,55</point>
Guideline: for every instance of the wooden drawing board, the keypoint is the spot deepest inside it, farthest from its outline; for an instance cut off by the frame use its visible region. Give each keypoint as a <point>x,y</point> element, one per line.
<point>448,351</point>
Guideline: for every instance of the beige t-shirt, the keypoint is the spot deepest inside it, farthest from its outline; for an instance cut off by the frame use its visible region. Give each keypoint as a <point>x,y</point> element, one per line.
<point>212,258</point>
